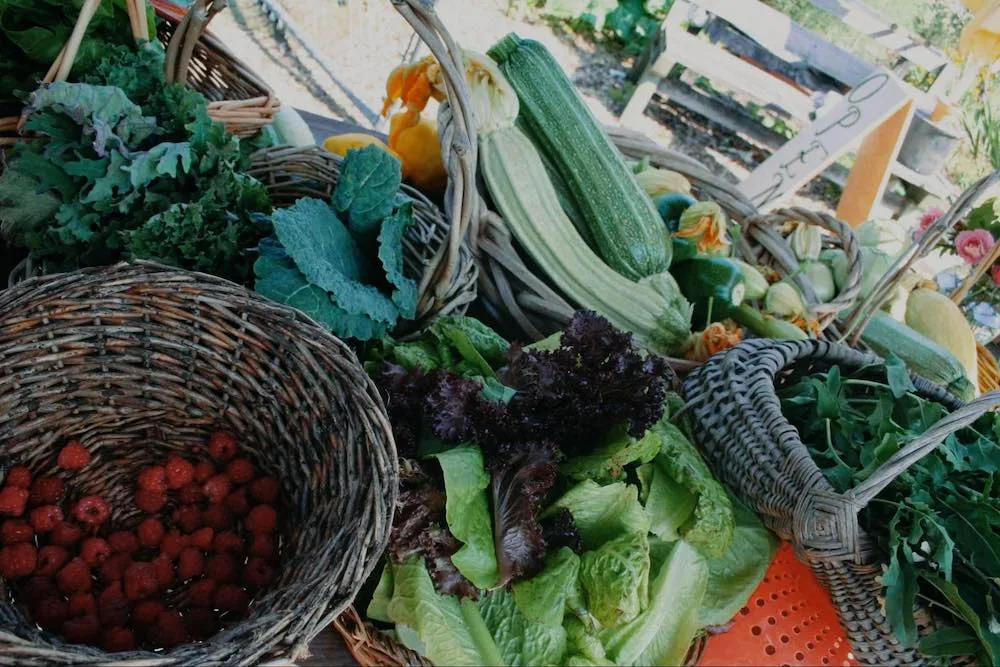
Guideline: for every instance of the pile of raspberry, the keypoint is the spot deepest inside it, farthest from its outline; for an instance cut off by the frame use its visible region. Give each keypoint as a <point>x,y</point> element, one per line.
<point>206,546</point>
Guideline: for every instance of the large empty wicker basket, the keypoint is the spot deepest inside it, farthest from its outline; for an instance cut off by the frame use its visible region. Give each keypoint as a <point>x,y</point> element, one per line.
<point>139,360</point>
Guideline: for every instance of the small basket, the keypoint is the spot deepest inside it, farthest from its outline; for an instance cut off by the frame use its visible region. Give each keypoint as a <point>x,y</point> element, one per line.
<point>137,360</point>
<point>759,455</point>
<point>291,173</point>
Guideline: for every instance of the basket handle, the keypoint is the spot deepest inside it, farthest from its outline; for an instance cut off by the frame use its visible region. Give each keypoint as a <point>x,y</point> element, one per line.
<point>60,69</point>
<point>186,36</point>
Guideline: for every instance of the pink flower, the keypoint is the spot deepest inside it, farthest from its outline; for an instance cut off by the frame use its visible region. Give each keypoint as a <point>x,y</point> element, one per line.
<point>929,217</point>
<point>973,245</point>
<point>995,274</point>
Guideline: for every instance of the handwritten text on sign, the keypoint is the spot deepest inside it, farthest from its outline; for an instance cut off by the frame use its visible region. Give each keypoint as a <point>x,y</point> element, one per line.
<point>817,146</point>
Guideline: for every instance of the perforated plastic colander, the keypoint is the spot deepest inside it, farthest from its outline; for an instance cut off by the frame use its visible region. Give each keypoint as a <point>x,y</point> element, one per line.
<point>789,620</point>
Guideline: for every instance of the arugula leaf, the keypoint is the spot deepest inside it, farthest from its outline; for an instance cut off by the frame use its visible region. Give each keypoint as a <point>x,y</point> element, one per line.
<point>950,641</point>
<point>369,180</point>
<point>898,376</point>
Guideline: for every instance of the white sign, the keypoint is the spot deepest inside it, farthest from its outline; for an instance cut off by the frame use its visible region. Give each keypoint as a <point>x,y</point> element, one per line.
<point>813,149</point>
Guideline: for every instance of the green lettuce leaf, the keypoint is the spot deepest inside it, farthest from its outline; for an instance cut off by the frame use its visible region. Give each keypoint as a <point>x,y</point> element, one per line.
<point>390,253</point>
<point>378,608</point>
<point>520,640</point>
<point>669,505</point>
<point>585,648</point>
<point>369,180</point>
<point>607,463</point>
<point>544,597</point>
<point>602,513</point>
<point>615,579</point>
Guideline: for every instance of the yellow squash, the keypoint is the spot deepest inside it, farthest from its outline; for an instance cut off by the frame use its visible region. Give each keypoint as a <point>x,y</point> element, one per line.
<point>937,317</point>
<point>341,143</point>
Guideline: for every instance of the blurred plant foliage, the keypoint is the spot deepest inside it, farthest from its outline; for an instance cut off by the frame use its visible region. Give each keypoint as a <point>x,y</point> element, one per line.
<point>624,23</point>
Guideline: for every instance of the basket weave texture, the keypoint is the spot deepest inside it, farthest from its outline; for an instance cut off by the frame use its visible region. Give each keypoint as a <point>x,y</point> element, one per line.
<point>137,360</point>
<point>759,455</point>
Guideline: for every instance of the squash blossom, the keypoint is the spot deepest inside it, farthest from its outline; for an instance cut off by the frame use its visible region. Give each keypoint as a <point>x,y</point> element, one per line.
<point>705,224</point>
<point>717,337</point>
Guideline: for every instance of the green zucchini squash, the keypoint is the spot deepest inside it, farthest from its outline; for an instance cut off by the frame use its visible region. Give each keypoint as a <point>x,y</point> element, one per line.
<point>768,327</point>
<point>713,285</point>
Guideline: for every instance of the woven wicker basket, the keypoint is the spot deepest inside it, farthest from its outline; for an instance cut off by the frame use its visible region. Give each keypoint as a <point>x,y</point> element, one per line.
<point>291,173</point>
<point>138,360</point>
<point>758,454</point>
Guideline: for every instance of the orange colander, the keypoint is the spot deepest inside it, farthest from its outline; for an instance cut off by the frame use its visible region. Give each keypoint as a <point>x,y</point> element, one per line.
<point>789,620</point>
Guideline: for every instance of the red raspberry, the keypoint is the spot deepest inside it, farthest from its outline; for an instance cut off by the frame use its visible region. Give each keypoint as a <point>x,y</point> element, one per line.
<point>51,559</point>
<point>202,538</point>
<point>237,502</point>
<point>13,501</point>
<point>173,543</point>
<point>95,551</point>
<point>258,574</point>
<point>92,510</point>
<point>153,478</point>
<point>18,560</point>
<point>46,491</point>
<point>218,517</point>
<point>14,531</point>
<point>140,581</point>
<point>37,587</point>
<point>187,518</point>
<point>222,446</point>
<point>231,597</point>
<point>123,541</point>
<point>113,569</point>
<point>151,532</point>
<point>50,612</point>
<point>74,577</point>
<point>168,630</point>
<point>202,592</point>
<point>202,623</point>
<point>230,543</point>
<point>73,456</point>
<point>66,535</point>
<point>190,564</point>
<point>263,545</point>
<point>203,471</point>
<point>18,477</point>
<point>264,490</point>
<point>191,493</point>
<point>164,569</point>
<point>239,471</point>
<point>221,568</point>
<point>82,630</point>
<point>150,502</point>
<point>116,640</point>
<point>45,518</point>
<point>82,604</point>
<point>112,607</point>
<point>216,489</point>
<point>146,612</point>
<point>262,519</point>
<point>179,471</point>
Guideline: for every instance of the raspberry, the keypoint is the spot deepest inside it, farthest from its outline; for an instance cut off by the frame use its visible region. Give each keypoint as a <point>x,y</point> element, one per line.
<point>229,542</point>
<point>73,456</point>
<point>264,546</point>
<point>179,471</point>
<point>258,574</point>
<point>190,564</point>
<point>203,471</point>
<point>201,622</point>
<point>202,538</point>
<point>237,502</point>
<point>92,510</point>
<point>46,491</point>
<point>74,577</point>
<point>146,612</point>
<point>112,607</point>
<point>222,446</point>
<point>264,490</point>
<point>18,560</point>
<point>18,477</point>
<point>14,531</point>
<point>221,568</point>
<point>140,581</point>
<point>45,518</point>
<point>151,532</point>
<point>113,569</point>
<point>187,518</point>
<point>13,501</point>
<point>202,593</point>
<point>168,630</point>
<point>51,559</point>
<point>153,479</point>
<point>123,541</point>
<point>218,516</point>
<point>216,489</point>
<point>50,612</point>
<point>95,551</point>
<point>262,519</point>
<point>173,543</point>
<point>82,630</point>
<point>37,587</point>
<point>150,502</point>
<point>66,535</point>
<point>239,471</point>
<point>231,597</point>
<point>164,570</point>
<point>190,494</point>
<point>82,604</point>
<point>116,640</point>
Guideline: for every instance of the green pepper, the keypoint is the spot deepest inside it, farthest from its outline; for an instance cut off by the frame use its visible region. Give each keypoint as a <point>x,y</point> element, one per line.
<point>670,207</point>
<point>711,284</point>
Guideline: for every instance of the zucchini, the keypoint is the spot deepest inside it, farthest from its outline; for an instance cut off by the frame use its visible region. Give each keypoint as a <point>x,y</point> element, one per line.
<point>291,128</point>
<point>762,325</point>
<point>670,207</point>
<point>754,281</point>
<point>623,222</point>
<point>713,285</point>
